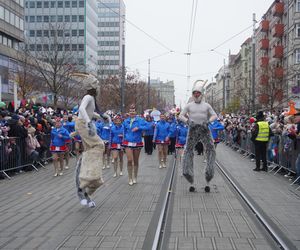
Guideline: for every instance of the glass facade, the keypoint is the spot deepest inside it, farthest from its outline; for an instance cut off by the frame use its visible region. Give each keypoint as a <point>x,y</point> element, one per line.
<point>74,23</point>
<point>111,36</point>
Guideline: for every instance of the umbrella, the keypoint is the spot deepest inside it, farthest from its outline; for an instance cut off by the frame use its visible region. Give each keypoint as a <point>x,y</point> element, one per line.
<point>2,104</point>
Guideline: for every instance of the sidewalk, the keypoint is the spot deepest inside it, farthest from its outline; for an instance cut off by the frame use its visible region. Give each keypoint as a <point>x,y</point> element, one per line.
<point>39,211</point>
<point>215,220</point>
<point>274,195</point>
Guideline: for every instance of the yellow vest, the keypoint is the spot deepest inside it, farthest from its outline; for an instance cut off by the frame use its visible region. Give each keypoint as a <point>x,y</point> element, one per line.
<point>263,131</point>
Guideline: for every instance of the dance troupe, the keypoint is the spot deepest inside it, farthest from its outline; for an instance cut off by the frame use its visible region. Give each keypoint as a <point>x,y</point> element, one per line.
<point>102,137</point>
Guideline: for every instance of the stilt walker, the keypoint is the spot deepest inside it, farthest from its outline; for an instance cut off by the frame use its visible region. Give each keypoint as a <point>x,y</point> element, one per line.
<point>89,166</point>
<point>198,114</point>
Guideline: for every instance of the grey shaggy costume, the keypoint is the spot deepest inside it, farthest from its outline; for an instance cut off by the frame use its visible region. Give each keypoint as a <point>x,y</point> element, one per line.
<point>196,133</point>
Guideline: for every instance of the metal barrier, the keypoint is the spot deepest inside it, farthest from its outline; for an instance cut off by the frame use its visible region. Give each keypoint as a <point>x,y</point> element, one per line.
<point>282,151</point>
<point>14,155</point>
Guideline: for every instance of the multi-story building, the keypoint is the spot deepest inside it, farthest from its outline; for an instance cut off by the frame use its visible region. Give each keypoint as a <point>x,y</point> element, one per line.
<point>166,91</point>
<point>11,34</point>
<point>270,57</point>
<point>222,90</point>
<point>111,37</point>
<point>70,24</point>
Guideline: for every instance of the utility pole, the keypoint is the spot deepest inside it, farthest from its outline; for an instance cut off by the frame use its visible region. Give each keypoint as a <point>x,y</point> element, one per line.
<point>224,86</point>
<point>253,67</point>
<point>123,80</point>
<point>148,106</point>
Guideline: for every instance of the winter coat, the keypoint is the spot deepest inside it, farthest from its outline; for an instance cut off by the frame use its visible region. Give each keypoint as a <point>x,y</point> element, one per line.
<point>150,131</point>
<point>162,131</point>
<point>134,137</point>
<point>103,130</point>
<point>182,131</point>
<point>59,141</point>
<point>115,133</point>
<point>214,128</point>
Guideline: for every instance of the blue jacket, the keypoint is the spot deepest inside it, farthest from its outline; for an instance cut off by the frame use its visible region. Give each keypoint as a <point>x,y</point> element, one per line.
<point>70,126</point>
<point>103,130</point>
<point>150,131</point>
<point>182,131</point>
<point>214,128</point>
<point>59,141</point>
<point>162,130</point>
<point>172,128</point>
<point>115,133</point>
<point>134,137</point>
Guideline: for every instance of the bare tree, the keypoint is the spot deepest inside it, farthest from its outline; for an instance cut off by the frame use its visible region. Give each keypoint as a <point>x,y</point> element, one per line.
<point>56,60</point>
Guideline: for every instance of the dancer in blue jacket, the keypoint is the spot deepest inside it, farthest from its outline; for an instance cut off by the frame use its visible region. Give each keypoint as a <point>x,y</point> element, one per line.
<point>116,137</point>
<point>181,135</point>
<point>103,130</point>
<point>133,128</point>
<point>59,136</point>
<point>148,135</point>
<point>69,125</point>
<point>161,138</point>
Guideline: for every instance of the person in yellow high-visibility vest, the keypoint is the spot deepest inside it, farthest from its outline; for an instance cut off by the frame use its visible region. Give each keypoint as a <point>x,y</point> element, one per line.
<point>261,133</point>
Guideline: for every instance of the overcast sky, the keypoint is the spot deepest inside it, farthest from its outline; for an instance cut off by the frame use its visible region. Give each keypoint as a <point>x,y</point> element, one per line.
<point>168,21</point>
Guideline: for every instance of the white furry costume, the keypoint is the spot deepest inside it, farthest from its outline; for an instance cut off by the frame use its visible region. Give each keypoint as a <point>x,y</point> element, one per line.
<point>199,114</point>
<point>89,166</point>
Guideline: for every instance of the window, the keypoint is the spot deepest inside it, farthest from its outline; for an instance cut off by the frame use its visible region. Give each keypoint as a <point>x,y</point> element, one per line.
<point>60,18</point>
<point>31,19</point>
<point>81,18</point>
<point>31,4</point>
<point>46,47</point>
<point>38,33</point>
<point>81,32</point>
<point>31,33</point>
<point>80,47</point>
<point>74,18</point>
<point>74,32</point>
<point>17,21</point>
<point>53,4</point>
<point>67,33</point>
<point>12,19</point>
<point>298,6</point>
<point>297,56</point>
<point>74,4</point>
<point>60,4</point>
<point>60,33</point>
<point>67,4</point>
<point>52,19</point>
<point>46,33</point>
<point>59,47</point>
<point>74,47</point>
<point>1,12</point>
<point>39,47</point>
<point>39,4</point>
<point>46,19</point>
<point>67,47</point>
<point>80,61</point>
<point>31,47</point>
<point>297,35</point>
<point>46,4</point>
<point>52,33</point>
<point>67,19</point>
<point>81,3</point>
<point>6,17</point>
<point>39,19</point>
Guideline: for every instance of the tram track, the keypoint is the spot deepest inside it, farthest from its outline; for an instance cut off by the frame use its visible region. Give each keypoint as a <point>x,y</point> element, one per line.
<point>157,236</point>
<point>271,228</point>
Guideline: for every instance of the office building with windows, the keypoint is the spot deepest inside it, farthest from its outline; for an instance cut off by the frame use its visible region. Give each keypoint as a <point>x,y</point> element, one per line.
<point>72,24</point>
<point>111,37</point>
<point>11,34</point>
<point>166,91</point>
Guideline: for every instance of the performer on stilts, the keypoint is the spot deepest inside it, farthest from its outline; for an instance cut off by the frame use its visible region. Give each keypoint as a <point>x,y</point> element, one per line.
<point>89,165</point>
<point>198,114</point>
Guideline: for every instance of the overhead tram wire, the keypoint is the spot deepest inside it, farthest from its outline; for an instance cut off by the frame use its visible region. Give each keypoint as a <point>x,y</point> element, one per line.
<point>138,28</point>
<point>151,58</point>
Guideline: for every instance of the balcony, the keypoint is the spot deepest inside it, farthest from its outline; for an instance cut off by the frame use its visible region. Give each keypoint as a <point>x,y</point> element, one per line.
<point>278,9</point>
<point>264,80</point>
<point>264,25</point>
<point>278,51</point>
<point>278,72</point>
<point>278,30</point>
<point>264,43</point>
<point>264,61</point>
